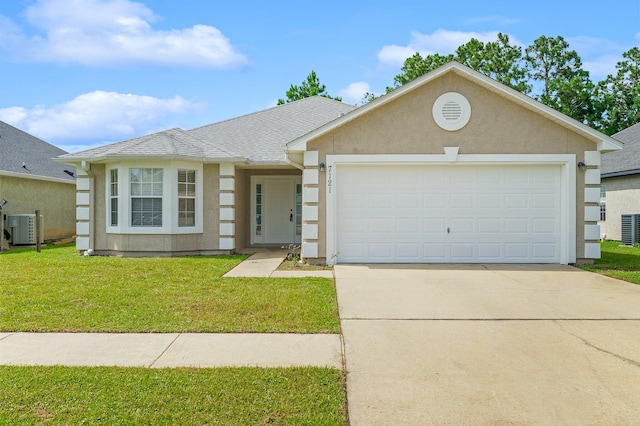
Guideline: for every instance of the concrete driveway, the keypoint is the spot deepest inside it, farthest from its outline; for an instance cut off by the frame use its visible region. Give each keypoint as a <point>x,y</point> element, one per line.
<point>489,344</point>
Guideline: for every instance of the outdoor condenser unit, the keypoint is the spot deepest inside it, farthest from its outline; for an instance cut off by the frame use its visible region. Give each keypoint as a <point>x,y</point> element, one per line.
<point>630,229</point>
<point>23,228</point>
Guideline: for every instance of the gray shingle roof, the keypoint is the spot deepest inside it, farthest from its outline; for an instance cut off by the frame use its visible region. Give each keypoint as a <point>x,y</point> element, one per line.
<point>258,137</point>
<point>18,148</point>
<point>174,143</point>
<point>627,160</point>
<point>262,136</point>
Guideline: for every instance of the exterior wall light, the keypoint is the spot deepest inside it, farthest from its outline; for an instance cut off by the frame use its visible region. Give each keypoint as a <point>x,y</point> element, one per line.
<point>582,167</point>
<point>321,165</point>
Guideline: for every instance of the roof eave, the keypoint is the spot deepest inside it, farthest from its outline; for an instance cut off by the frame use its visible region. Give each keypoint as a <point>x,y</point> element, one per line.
<point>620,173</point>
<point>71,181</point>
<point>110,158</point>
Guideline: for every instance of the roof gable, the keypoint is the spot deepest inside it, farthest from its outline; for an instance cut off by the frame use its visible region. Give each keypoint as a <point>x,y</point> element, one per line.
<point>604,143</point>
<point>24,155</point>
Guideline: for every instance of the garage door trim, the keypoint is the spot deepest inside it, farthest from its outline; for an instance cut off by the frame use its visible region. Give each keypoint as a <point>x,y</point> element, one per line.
<point>567,162</point>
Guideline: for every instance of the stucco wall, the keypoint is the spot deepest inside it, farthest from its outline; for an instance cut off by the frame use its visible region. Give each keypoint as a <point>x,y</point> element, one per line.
<point>56,202</point>
<point>497,126</point>
<point>623,197</point>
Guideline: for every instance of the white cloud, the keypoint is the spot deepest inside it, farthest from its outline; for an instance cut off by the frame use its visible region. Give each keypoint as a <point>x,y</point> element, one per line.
<point>599,56</point>
<point>115,32</point>
<point>440,41</point>
<point>99,115</point>
<point>354,92</point>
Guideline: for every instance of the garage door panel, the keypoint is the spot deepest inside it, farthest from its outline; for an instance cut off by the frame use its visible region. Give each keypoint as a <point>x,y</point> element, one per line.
<point>489,225</point>
<point>488,251</point>
<point>435,226</point>
<point>435,252</point>
<point>544,226</point>
<point>494,213</point>
<point>462,251</point>
<point>408,225</point>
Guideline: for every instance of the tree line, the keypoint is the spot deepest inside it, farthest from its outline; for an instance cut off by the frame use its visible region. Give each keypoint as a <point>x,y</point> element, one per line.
<point>548,70</point>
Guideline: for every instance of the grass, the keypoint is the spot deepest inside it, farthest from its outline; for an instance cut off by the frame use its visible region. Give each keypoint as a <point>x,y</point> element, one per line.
<point>58,291</point>
<point>617,261</point>
<point>138,396</point>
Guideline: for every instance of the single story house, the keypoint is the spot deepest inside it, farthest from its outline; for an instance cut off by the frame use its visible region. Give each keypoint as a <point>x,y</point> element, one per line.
<point>452,167</point>
<point>620,193</point>
<point>30,180</point>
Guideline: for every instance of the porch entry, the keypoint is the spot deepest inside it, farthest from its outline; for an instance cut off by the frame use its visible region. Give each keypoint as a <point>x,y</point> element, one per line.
<point>276,206</point>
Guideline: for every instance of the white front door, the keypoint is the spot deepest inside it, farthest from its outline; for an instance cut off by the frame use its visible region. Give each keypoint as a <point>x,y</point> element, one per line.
<point>276,205</point>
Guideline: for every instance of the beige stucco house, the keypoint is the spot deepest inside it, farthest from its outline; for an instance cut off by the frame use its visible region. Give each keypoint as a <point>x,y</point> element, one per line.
<point>30,181</point>
<point>453,167</point>
<point>620,194</point>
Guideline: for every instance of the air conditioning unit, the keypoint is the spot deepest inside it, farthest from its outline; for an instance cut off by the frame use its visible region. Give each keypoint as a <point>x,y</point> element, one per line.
<point>23,228</point>
<point>630,229</point>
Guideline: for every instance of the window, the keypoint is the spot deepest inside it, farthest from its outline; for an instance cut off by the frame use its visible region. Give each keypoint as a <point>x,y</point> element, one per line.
<point>146,197</point>
<point>113,197</point>
<point>603,202</point>
<point>186,197</point>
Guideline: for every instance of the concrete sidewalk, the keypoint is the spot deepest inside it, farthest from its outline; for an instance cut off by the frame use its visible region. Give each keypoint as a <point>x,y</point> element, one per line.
<point>171,349</point>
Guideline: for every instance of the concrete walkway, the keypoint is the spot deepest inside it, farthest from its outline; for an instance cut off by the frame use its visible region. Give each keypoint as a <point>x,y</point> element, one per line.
<point>171,349</point>
<point>489,344</point>
<point>265,264</point>
<point>182,349</point>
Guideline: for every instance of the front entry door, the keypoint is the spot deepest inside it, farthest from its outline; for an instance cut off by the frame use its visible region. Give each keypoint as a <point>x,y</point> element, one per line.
<point>277,207</point>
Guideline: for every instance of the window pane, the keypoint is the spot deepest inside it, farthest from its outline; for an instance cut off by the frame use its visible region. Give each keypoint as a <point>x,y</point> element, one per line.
<point>135,175</point>
<point>114,212</point>
<point>191,190</point>
<point>157,189</point>
<point>186,197</point>
<point>146,212</point>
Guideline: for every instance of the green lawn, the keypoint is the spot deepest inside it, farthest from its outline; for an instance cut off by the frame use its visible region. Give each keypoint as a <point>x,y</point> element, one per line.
<point>58,290</point>
<point>138,396</point>
<point>618,261</point>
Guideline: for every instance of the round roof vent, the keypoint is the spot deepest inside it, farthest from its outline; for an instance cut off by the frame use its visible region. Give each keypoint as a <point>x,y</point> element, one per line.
<point>451,111</point>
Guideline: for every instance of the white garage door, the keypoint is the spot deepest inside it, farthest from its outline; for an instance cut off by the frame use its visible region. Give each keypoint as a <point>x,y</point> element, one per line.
<point>453,213</point>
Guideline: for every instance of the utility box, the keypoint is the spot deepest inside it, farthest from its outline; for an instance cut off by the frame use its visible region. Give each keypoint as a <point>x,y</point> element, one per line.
<point>23,229</point>
<point>630,229</point>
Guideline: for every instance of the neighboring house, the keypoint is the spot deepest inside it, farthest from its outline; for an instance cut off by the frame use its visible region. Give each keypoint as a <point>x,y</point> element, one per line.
<point>30,180</point>
<point>452,167</point>
<point>620,183</point>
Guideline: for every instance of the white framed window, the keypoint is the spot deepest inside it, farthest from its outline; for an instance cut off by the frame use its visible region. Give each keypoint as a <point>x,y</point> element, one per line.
<point>186,198</point>
<point>113,197</point>
<point>154,197</point>
<point>146,197</point>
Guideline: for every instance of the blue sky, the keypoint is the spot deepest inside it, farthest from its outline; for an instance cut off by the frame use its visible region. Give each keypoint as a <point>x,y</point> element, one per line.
<point>82,73</point>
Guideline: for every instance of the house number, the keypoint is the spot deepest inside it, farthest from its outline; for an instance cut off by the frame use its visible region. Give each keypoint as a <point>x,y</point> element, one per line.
<point>330,179</point>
